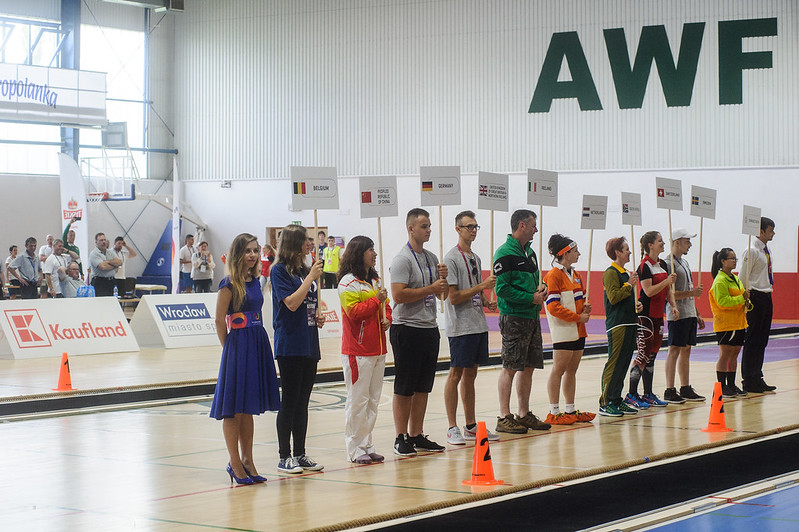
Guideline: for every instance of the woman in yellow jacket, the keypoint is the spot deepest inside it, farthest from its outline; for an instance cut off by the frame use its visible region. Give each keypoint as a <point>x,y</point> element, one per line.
<point>728,301</point>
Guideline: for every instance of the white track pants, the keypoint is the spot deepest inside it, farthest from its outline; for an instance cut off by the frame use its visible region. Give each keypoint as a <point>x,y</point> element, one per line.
<point>363,397</point>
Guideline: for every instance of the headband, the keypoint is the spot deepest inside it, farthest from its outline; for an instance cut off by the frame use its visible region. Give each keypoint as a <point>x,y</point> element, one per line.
<point>565,250</point>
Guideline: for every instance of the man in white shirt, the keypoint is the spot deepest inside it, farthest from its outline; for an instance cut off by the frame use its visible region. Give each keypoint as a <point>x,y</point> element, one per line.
<point>756,273</point>
<point>57,259</point>
<point>123,253</point>
<point>185,254</point>
<point>46,250</point>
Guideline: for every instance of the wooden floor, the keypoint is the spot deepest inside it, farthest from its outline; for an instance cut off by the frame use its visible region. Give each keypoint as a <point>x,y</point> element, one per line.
<point>162,468</point>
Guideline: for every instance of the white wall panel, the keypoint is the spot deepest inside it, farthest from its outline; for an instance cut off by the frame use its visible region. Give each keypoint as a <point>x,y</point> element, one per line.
<point>382,87</point>
<point>41,9</point>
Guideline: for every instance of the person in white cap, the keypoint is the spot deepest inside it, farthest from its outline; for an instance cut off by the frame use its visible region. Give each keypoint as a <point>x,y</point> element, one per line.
<point>682,332</point>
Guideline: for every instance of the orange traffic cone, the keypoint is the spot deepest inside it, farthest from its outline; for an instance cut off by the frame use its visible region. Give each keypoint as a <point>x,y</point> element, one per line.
<point>716,422</point>
<point>482,469</point>
<point>64,378</point>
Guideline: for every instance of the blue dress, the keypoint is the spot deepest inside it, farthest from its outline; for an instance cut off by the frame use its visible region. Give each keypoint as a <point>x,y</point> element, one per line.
<point>247,382</point>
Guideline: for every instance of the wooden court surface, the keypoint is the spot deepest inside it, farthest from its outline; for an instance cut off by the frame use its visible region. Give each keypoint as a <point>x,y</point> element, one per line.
<point>162,468</point>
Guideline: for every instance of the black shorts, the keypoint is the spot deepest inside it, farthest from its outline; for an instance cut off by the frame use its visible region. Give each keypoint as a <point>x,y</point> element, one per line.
<point>731,337</point>
<point>682,333</point>
<point>574,345</point>
<point>415,357</point>
<point>469,350</point>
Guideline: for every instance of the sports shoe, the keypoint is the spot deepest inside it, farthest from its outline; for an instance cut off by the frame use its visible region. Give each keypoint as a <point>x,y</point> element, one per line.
<point>421,443</point>
<point>739,391</point>
<point>634,400</point>
<point>671,396</point>
<point>363,459</point>
<point>561,419</point>
<point>728,391</point>
<point>454,436</point>
<point>376,458</point>
<point>654,400</point>
<point>289,465</point>
<point>582,417</point>
<point>510,425</point>
<point>308,463</point>
<point>471,434</point>
<point>610,410</point>
<point>624,408</point>
<point>403,447</point>
<point>690,395</point>
<point>532,422</point>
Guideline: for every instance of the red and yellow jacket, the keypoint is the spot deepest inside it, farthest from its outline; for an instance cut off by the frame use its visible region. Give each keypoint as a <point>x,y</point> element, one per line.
<point>362,334</point>
<point>564,304</point>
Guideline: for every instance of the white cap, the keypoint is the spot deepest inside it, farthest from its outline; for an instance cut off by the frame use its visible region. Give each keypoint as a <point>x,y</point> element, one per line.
<point>681,233</point>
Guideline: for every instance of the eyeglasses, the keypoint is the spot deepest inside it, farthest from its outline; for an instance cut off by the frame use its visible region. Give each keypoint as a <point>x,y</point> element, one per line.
<point>732,258</point>
<point>470,227</point>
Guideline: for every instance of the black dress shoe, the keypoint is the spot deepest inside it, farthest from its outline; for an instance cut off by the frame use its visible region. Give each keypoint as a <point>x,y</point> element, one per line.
<point>766,387</point>
<point>754,387</point>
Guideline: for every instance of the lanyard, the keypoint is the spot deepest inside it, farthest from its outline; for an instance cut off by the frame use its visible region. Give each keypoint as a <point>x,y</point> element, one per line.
<point>690,281</point>
<point>468,269</point>
<point>430,271</point>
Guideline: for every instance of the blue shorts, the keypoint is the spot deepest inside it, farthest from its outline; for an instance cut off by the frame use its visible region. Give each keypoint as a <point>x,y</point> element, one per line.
<point>682,333</point>
<point>469,350</point>
<point>186,281</point>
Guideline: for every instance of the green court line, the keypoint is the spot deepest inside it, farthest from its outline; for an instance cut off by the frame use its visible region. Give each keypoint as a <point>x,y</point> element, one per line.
<point>415,488</point>
<point>155,519</point>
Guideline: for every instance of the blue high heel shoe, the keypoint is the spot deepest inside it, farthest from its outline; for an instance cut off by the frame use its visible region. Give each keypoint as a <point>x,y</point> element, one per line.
<point>247,481</point>
<point>258,479</point>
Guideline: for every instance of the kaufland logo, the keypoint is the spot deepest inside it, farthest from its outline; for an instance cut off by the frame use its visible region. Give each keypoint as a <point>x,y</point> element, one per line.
<point>28,328</point>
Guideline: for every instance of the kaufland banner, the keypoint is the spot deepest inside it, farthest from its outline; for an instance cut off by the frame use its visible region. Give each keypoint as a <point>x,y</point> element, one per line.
<point>35,328</point>
<point>52,95</point>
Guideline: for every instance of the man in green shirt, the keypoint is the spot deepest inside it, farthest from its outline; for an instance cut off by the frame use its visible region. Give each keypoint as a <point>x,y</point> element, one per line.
<point>519,298</point>
<point>69,244</point>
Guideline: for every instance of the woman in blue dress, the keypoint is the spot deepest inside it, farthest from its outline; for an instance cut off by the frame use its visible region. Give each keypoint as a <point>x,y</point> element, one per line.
<point>247,383</point>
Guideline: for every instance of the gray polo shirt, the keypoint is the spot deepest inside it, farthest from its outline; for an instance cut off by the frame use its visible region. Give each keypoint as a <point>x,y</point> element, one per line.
<point>27,267</point>
<point>69,287</point>
<point>684,283</point>
<point>416,270</point>
<point>467,317</point>
<point>96,257</point>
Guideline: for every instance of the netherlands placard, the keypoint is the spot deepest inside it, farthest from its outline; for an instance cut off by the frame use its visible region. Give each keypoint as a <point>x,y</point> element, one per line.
<point>313,187</point>
<point>595,212</point>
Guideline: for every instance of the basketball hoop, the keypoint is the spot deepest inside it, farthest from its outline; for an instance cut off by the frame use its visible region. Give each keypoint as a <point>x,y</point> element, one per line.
<point>93,200</point>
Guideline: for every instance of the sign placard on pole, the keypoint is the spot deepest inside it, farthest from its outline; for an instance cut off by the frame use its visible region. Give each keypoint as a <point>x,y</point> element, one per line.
<point>492,191</point>
<point>751,221</point>
<point>595,212</point>
<point>703,202</point>
<point>441,185</point>
<point>631,208</point>
<point>542,188</point>
<point>313,187</point>
<point>669,193</point>
<point>378,196</point>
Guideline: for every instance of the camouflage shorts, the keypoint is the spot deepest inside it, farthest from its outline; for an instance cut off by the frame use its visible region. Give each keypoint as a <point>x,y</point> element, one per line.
<point>521,343</point>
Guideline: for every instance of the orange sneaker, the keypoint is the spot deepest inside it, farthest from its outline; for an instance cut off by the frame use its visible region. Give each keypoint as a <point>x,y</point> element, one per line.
<point>561,419</point>
<point>582,417</point>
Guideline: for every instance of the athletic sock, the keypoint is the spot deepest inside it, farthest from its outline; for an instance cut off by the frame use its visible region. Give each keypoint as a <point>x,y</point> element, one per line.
<point>635,377</point>
<point>569,409</point>
<point>471,427</point>
<point>554,409</point>
<point>721,376</point>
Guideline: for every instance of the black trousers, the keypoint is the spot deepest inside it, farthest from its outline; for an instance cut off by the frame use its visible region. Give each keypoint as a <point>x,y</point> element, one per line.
<point>297,376</point>
<point>103,286</point>
<point>29,292</point>
<point>759,320</point>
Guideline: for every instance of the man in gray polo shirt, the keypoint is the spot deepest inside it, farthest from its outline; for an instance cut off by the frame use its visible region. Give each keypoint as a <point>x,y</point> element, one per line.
<point>417,279</point>
<point>104,266</point>
<point>69,279</point>
<point>682,332</point>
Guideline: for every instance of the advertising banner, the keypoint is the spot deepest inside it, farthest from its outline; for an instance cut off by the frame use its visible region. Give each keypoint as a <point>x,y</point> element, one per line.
<point>176,320</point>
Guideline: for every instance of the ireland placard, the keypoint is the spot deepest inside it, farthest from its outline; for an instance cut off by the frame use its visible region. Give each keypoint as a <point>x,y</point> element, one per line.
<point>313,187</point>
<point>669,193</point>
<point>378,196</point>
<point>630,208</point>
<point>751,221</point>
<point>492,191</point>
<point>703,202</point>
<point>595,212</point>
<point>542,188</point>
<point>441,185</point>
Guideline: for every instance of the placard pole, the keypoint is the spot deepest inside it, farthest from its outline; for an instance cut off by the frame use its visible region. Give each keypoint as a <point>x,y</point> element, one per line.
<point>540,244</point>
<point>588,274</point>
<point>491,249</point>
<point>441,245</point>
<point>632,251</point>
<point>380,257</point>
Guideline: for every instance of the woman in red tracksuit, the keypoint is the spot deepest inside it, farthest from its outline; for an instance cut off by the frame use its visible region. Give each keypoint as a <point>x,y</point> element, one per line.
<point>367,315</point>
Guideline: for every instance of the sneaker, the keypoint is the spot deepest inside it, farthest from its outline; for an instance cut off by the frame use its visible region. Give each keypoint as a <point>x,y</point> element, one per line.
<point>739,391</point>
<point>403,447</point>
<point>376,458</point>
<point>308,464</point>
<point>728,391</point>
<point>510,425</point>
<point>690,395</point>
<point>582,417</point>
<point>471,434</point>
<point>421,443</point>
<point>624,408</point>
<point>654,400</point>
<point>671,396</point>
<point>289,465</point>
<point>561,419</point>
<point>454,436</point>
<point>634,400</point>
<point>532,422</point>
<point>610,410</point>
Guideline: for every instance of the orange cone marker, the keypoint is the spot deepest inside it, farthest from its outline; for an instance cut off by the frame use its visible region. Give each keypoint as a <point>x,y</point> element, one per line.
<point>64,378</point>
<point>716,422</point>
<point>482,469</point>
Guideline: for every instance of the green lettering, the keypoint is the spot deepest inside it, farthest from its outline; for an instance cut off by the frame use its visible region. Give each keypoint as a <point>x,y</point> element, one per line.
<point>733,60</point>
<point>581,86</point>
<point>677,81</point>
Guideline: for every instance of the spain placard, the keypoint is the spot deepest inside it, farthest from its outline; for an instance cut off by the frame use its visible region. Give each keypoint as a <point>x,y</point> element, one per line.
<point>378,196</point>
<point>313,187</point>
<point>542,187</point>
<point>440,185</point>
<point>492,191</point>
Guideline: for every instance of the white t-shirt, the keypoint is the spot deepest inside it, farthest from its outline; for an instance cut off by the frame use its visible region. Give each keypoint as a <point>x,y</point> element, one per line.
<point>185,254</point>
<point>122,255</point>
<point>51,266</point>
